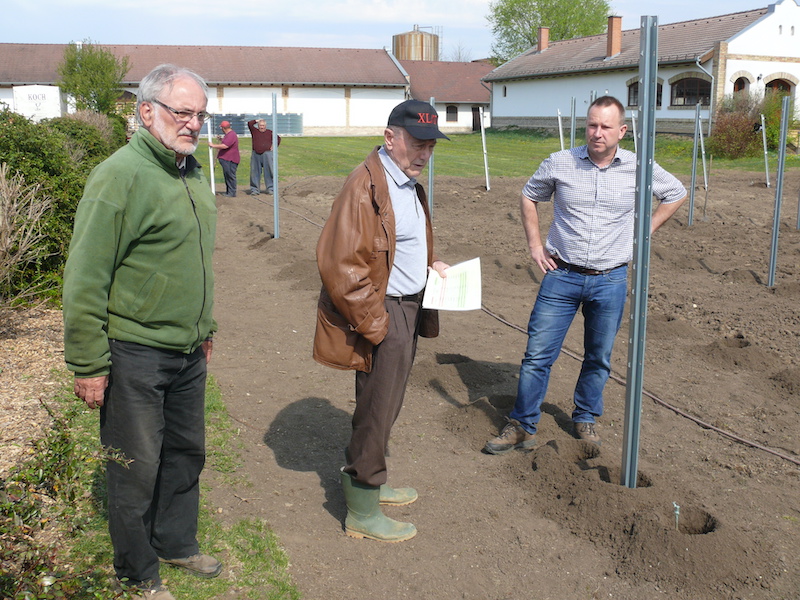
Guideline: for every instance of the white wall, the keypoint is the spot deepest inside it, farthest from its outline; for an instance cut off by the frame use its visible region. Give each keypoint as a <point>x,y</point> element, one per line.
<point>545,97</point>
<point>7,97</point>
<point>319,106</point>
<point>371,108</point>
<point>463,123</point>
<point>776,34</point>
<point>244,100</point>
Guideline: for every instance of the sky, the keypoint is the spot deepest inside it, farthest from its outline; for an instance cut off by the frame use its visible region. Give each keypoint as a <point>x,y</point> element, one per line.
<point>461,24</point>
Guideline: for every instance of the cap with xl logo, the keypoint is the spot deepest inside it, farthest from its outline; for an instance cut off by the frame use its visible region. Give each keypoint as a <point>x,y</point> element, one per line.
<point>419,118</point>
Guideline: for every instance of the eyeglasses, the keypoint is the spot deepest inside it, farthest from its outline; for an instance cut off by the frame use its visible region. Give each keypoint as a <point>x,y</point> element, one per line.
<point>185,115</point>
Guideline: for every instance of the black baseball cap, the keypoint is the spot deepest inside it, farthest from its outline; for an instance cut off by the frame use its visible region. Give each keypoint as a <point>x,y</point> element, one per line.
<point>419,118</point>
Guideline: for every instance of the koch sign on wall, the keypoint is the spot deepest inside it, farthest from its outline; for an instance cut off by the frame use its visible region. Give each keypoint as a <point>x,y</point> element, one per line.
<point>38,101</point>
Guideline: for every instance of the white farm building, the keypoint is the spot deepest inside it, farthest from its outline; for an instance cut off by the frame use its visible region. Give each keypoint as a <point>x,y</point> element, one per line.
<point>699,61</point>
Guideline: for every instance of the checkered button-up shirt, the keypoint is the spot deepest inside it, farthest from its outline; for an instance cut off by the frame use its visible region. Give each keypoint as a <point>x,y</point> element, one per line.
<point>593,208</point>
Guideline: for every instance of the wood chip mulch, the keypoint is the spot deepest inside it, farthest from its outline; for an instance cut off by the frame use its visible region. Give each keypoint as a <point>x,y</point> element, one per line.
<point>31,369</point>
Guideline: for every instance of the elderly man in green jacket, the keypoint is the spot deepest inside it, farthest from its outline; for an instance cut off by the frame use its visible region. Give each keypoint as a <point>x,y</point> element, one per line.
<point>138,297</point>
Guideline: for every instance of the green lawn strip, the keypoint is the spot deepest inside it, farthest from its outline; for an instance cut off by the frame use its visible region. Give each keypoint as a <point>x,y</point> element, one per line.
<point>509,154</point>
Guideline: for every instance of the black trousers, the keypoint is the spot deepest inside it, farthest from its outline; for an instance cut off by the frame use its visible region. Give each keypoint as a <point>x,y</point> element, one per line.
<point>380,393</point>
<point>153,414</point>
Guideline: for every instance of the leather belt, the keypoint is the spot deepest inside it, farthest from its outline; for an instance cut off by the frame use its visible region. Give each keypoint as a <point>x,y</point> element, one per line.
<point>411,298</point>
<point>584,270</point>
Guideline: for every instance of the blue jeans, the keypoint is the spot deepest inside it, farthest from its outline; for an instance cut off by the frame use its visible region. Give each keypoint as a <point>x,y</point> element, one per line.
<point>153,414</point>
<point>602,301</point>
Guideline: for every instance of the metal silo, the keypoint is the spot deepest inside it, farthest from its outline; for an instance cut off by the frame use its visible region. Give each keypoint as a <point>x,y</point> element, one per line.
<point>417,44</point>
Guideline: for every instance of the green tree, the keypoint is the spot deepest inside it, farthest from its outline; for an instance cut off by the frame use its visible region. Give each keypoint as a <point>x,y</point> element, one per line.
<point>93,76</point>
<point>515,23</point>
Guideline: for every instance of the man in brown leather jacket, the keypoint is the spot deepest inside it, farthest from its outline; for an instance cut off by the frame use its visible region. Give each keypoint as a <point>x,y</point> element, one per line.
<point>373,256</point>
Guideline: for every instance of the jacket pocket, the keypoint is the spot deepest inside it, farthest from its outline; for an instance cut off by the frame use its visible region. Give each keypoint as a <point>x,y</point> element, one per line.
<point>337,345</point>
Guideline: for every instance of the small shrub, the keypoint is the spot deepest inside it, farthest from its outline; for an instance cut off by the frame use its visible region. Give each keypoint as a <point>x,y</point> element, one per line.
<point>737,128</point>
<point>772,109</point>
<point>735,136</point>
<point>86,143</point>
<point>43,505</point>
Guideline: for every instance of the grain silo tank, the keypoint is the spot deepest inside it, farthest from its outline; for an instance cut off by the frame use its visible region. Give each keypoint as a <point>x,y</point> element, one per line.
<point>416,45</point>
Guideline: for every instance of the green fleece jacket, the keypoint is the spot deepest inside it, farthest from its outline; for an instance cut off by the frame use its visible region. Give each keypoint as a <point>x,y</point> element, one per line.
<point>139,265</point>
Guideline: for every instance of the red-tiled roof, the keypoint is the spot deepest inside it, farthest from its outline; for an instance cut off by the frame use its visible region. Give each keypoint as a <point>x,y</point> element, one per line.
<point>228,65</point>
<point>677,42</point>
<point>448,81</point>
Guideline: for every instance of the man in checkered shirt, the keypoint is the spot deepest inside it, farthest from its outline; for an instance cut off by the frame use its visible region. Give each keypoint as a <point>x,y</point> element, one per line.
<point>585,264</point>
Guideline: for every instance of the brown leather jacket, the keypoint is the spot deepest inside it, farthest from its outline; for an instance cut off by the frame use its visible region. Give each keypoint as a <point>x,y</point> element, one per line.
<point>355,254</point>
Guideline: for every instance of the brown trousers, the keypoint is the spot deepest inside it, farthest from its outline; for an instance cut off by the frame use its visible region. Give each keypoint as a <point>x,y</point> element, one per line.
<point>380,393</point>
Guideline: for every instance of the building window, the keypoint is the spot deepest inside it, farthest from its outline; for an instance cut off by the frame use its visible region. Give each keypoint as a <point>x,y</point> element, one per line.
<point>633,94</point>
<point>452,113</point>
<point>740,85</point>
<point>691,91</point>
<point>779,85</point>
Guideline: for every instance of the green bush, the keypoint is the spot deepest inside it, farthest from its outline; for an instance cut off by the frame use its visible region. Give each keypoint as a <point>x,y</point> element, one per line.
<point>57,155</point>
<point>86,143</point>
<point>737,132</point>
<point>772,108</point>
<point>736,135</point>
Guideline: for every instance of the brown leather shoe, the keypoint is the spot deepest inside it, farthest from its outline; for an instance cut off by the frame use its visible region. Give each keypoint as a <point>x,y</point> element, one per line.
<point>512,437</point>
<point>158,592</point>
<point>586,432</point>
<point>201,565</point>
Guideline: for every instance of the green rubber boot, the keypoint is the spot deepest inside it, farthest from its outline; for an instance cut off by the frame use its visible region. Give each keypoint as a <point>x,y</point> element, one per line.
<point>364,516</point>
<point>397,496</point>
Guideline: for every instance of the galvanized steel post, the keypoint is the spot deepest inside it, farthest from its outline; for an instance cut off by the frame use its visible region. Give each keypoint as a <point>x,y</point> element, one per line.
<point>572,123</point>
<point>275,207</point>
<point>776,221</point>
<point>690,222</point>
<point>648,70</point>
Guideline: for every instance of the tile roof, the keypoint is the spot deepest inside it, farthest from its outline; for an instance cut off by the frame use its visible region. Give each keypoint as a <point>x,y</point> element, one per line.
<point>237,65</point>
<point>448,81</point>
<point>677,42</point>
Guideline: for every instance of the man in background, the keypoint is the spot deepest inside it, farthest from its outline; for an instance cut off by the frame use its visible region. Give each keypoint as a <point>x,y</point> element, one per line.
<point>228,157</point>
<point>137,305</point>
<point>261,160</point>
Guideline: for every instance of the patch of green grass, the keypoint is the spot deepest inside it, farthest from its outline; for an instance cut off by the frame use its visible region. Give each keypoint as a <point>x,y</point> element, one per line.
<point>222,443</point>
<point>251,552</point>
<point>514,153</point>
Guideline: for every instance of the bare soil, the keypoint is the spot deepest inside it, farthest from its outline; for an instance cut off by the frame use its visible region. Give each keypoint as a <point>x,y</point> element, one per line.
<point>722,347</point>
<point>723,357</point>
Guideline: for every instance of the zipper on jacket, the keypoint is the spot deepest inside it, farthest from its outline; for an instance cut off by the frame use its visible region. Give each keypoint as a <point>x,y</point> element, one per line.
<point>202,255</point>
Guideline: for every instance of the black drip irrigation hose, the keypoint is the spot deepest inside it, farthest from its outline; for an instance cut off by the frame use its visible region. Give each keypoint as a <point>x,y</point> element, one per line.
<point>661,402</point>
